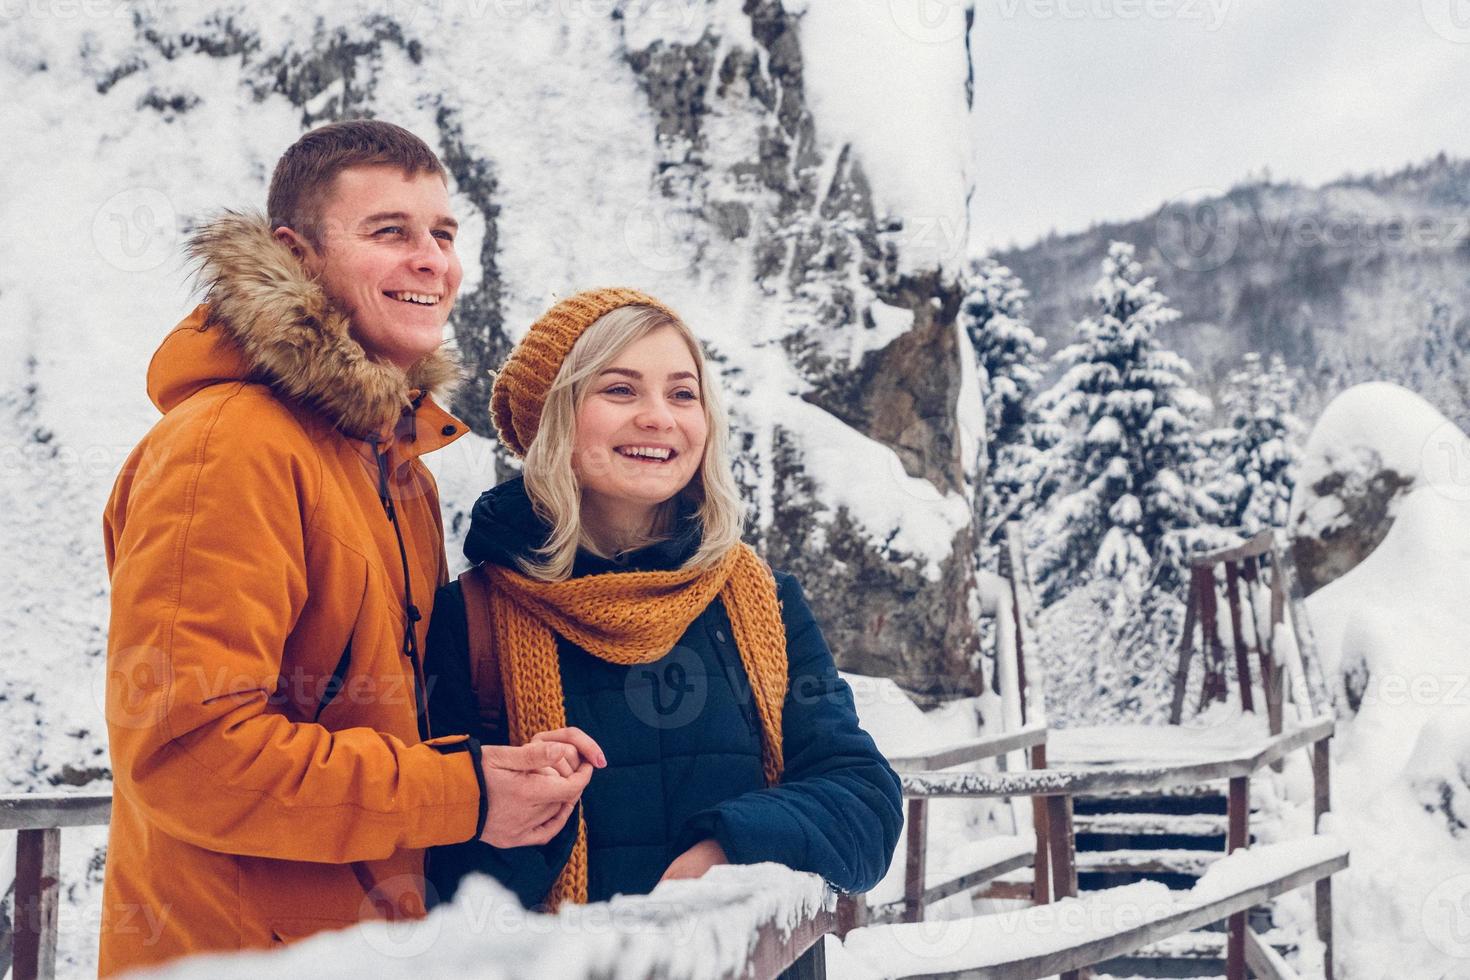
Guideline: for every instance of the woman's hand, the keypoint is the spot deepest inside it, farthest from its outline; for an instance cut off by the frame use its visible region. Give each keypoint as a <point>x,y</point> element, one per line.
<point>694,862</point>
<point>533,788</point>
<point>587,750</point>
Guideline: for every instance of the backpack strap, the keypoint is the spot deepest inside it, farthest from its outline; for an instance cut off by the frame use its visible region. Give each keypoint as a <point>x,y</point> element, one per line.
<point>484,664</point>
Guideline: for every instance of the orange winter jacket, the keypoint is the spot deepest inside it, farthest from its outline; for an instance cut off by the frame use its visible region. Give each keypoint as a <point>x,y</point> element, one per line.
<point>256,799</point>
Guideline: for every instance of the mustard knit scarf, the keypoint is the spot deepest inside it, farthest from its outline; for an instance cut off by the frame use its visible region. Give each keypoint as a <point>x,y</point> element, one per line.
<point>629,618</point>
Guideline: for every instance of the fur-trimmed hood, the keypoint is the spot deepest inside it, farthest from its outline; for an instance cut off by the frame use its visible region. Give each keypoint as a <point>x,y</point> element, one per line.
<point>288,335</point>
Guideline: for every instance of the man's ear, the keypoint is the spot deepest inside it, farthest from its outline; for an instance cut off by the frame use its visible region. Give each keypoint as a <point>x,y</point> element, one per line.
<point>298,245</point>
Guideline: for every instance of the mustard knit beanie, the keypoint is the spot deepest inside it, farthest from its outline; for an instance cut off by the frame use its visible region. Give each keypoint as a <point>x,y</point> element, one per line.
<point>520,388</point>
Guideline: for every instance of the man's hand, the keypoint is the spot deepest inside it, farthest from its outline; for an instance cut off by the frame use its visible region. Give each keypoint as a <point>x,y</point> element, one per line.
<point>533,788</point>
<point>694,862</point>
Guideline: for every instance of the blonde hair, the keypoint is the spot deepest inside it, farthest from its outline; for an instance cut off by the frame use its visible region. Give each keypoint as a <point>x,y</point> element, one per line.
<point>552,484</point>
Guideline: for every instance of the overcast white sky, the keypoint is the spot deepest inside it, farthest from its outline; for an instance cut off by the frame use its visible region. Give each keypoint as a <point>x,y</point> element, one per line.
<point>1092,110</point>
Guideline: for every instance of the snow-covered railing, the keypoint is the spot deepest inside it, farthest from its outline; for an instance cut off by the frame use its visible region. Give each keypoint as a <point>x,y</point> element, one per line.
<point>737,922</point>
<point>1058,786</point>
<point>28,945</point>
<point>996,858</point>
<point>1102,781</point>
<point>1074,933</point>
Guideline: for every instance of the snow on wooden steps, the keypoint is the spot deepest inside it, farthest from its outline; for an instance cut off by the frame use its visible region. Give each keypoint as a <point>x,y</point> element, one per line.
<point>1099,745</point>
<point>1151,824</point>
<point>1046,939</point>
<point>1205,945</point>
<point>1157,860</point>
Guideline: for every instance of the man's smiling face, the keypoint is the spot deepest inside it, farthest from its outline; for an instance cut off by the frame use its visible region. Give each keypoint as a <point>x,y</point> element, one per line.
<point>386,258</point>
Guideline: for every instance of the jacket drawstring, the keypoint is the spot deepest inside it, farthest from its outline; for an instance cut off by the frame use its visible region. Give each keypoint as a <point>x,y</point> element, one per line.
<point>411,611</point>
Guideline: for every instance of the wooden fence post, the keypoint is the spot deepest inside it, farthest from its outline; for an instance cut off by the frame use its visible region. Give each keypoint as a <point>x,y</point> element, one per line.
<point>1186,653</point>
<point>1242,659</point>
<point>37,856</point>
<point>1237,836</point>
<point>1041,891</point>
<point>1063,846</point>
<point>1213,687</point>
<point>1322,802</point>
<point>914,871</point>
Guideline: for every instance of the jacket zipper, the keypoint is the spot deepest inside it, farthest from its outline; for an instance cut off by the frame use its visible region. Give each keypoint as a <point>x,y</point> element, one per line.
<point>411,612</point>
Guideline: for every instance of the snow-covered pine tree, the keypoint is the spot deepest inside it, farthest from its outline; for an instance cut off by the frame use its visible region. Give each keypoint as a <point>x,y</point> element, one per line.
<point>1127,464</point>
<point>1009,354</point>
<point>1256,452</point>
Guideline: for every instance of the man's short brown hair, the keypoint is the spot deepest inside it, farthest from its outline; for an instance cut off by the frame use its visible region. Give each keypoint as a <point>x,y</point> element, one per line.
<point>306,172</point>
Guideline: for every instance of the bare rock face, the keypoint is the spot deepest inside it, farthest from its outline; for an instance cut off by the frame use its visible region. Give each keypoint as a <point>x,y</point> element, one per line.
<point>1372,445</point>
<point>1363,491</point>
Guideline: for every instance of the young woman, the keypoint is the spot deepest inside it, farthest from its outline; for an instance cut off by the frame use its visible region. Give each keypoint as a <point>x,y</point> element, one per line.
<point>612,594</point>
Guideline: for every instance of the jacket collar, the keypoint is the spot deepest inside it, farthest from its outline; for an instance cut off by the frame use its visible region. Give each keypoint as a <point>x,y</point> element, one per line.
<point>265,320</point>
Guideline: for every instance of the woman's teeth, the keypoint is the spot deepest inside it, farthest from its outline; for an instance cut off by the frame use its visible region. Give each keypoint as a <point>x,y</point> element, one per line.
<point>422,299</point>
<point>646,452</point>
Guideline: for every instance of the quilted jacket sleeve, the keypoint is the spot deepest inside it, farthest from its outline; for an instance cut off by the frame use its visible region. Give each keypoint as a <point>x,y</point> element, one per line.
<point>838,809</point>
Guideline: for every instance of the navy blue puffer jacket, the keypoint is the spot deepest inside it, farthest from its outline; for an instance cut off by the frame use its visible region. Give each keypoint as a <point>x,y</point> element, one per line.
<point>682,739</point>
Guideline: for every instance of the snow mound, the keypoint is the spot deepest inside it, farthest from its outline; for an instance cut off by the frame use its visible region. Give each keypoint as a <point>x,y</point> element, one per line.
<point>1382,426</point>
<point>1392,633</point>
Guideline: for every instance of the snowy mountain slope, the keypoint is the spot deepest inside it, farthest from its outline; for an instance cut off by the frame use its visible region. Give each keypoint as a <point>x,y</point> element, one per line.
<point>1346,273</point>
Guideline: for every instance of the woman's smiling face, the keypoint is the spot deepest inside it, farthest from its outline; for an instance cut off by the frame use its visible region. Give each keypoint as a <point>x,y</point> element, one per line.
<point>640,433</point>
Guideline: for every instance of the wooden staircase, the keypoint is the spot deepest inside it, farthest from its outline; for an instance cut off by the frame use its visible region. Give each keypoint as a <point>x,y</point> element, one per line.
<point>1171,837</point>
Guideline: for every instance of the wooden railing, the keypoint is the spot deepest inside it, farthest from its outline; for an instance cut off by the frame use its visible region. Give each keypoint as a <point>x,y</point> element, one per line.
<point>29,949</point>
<point>1063,784</point>
<point>918,895</point>
<point>784,939</point>
<point>1289,670</point>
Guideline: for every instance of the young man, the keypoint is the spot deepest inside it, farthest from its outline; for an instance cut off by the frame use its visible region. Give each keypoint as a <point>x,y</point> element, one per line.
<point>273,543</point>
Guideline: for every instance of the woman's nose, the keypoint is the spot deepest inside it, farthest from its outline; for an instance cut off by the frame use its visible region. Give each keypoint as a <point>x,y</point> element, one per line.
<point>655,415</point>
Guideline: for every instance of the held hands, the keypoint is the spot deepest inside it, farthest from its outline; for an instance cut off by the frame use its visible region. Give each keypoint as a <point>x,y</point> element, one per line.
<point>694,862</point>
<point>533,788</point>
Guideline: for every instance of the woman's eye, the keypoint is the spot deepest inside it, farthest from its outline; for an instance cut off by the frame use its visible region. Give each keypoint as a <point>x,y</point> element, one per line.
<point>619,390</point>
<point>684,394</point>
